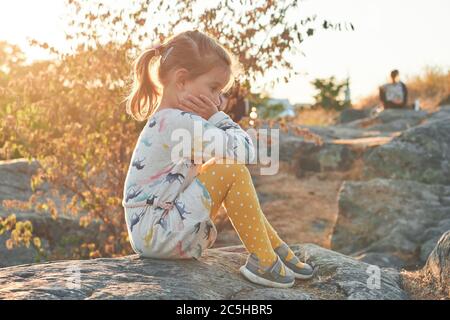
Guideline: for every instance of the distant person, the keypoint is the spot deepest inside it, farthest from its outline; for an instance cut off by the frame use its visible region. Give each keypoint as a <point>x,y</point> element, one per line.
<point>394,95</point>
<point>239,105</point>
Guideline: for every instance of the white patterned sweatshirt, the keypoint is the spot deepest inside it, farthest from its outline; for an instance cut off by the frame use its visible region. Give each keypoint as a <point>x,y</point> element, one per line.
<point>167,209</point>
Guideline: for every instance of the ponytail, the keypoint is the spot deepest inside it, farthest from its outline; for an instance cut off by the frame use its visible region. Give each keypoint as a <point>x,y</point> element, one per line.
<point>142,101</point>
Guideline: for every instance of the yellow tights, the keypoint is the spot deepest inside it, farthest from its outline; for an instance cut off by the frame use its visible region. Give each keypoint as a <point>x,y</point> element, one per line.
<point>233,185</point>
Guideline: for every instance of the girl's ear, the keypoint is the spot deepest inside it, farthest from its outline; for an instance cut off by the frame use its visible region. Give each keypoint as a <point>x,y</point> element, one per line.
<point>180,78</point>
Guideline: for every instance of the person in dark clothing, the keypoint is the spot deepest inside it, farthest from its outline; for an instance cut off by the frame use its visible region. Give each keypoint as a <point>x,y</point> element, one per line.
<point>236,104</point>
<point>394,95</point>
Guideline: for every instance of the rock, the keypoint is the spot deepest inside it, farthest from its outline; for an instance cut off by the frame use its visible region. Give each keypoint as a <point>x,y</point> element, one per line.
<point>309,157</point>
<point>214,276</point>
<point>438,263</point>
<point>442,113</point>
<point>350,277</point>
<point>390,120</point>
<point>391,222</point>
<point>19,255</point>
<point>15,179</point>
<point>346,142</point>
<point>421,153</point>
<point>399,120</point>
<point>333,155</point>
<point>57,235</point>
<point>384,260</point>
<point>342,131</point>
<point>328,157</point>
<point>349,115</point>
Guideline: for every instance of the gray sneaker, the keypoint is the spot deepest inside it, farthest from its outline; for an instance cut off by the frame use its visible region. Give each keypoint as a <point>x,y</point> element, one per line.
<point>300,269</point>
<point>276,275</point>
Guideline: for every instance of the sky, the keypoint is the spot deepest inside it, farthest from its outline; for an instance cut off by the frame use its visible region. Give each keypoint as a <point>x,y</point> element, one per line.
<point>389,34</point>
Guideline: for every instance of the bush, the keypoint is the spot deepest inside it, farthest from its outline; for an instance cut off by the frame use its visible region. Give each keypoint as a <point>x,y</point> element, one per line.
<point>329,93</point>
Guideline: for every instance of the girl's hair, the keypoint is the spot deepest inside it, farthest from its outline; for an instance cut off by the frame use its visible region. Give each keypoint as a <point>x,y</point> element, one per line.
<point>195,51</point>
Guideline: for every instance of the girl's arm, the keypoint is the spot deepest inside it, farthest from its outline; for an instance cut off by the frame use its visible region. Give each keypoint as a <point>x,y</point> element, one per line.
<point>233,143</point>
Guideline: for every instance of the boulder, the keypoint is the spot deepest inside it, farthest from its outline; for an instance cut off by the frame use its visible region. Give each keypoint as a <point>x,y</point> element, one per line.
<point>442,113</point>
<point>215,275</point>
<point>342,131</point>
<point>421,153</point>
<point>391,222</point>
<point>57,235</point>
<point>21,254</point>
<point>390,120</point>
<point>349,115</point>
<point>15,179</point>
<point>307,156</point>
<point>438,264</point>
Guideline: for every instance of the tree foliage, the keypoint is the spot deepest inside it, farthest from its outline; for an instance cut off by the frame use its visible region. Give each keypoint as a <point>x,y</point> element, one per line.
<point>329,93</point>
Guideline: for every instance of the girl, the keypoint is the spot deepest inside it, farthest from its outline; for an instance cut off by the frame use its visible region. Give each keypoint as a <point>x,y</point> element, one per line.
<point>169,200</point>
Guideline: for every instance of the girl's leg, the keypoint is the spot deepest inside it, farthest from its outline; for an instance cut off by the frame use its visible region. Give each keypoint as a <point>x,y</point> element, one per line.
<point>233,185</point>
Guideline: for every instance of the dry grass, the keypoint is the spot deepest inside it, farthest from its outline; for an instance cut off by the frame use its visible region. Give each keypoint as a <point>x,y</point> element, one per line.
<point>369,101</point>
<point>421,286</point>
<point>316,117</point>
<point>430,87</point>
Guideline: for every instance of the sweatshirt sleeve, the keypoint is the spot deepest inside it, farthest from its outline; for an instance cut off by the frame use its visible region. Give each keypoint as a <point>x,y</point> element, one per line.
<point>221,138</point>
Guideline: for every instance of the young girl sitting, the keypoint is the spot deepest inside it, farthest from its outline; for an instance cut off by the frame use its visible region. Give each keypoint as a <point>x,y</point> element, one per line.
<point>170,201</point>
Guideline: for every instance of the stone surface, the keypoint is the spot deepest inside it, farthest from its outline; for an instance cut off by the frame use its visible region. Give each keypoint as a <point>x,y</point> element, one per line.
<point>390,120</point>
<point>391,222</point>
<point>15,179</point>
<point>421,154</point>
<point>308,157</point>
<point>438,263</point>
<point>61,234</point>
<point>349,115</point>
<point>214,276</point>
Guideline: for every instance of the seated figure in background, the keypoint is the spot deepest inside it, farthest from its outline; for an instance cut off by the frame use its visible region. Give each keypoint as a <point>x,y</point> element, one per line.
<point>394,94</point>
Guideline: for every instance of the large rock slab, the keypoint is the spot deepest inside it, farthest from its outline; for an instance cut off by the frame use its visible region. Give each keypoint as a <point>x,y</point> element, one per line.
<point>421,154</point>
<point>390,120</point>
<point>309,157</point>
<point>214,276</point>
<point>59,235</point>
<point>442,113</point>
<point>391,222</point>
<point>333,155</point>
<point>349,115</point>
<point>15,176</point>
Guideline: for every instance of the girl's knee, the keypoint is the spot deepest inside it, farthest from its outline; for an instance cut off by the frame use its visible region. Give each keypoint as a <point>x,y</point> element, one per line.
<point>237,170</point>
<point>232,167</point>
<point>232,170</point>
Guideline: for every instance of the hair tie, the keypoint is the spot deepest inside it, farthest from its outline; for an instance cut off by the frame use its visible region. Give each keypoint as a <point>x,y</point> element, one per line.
<point>166,55</point>
<point>157,53</point>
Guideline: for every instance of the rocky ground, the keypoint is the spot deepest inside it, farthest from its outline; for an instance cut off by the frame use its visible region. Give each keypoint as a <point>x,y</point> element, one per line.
<point>373,199</point>
<point>214,276</point>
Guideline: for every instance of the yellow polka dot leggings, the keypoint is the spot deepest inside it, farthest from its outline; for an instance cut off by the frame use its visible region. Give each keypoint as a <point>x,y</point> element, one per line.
<point>232,185</point>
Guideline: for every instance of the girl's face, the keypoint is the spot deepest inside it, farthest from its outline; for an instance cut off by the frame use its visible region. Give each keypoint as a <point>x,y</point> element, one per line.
<point>209,84</point>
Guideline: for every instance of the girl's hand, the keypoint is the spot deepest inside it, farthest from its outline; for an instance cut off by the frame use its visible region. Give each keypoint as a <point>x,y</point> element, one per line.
<point>202,105</point>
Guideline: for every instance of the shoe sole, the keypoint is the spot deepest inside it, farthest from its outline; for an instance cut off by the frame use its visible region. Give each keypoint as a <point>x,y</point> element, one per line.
<point>302,276</point>
<point>262,281</point>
